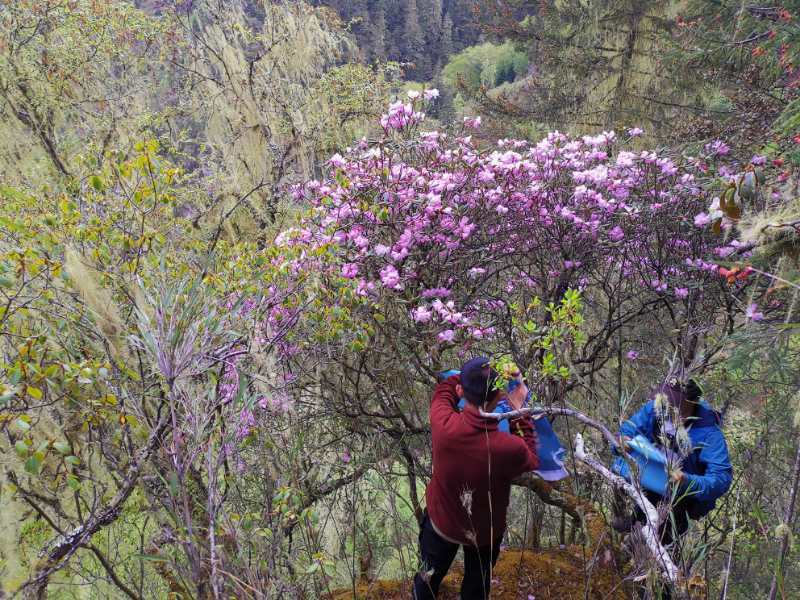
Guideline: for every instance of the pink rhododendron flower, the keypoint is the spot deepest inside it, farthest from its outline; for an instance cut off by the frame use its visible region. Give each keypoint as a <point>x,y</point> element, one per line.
<point>350,270</point>
<point>421,314</point>
<point>632,355</point>
<point>702,219</point>
<point>681,292</point>
<point>448,335</point>
<point>337,161</point>
<point>753,314</point>
<point>724,251</point>
<point>431,94</point>
<point>440,292</point>
<point>616,234</point>
<point>400,116</point>
<point>398,255</point>
<point>718,148</point>
<point>635,131</point>
<point>390,277</point>
<point>229,385</point>
<point>472,122</point>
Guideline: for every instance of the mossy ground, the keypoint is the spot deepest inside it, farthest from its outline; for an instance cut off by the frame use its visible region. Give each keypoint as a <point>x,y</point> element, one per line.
<point>555,574</point>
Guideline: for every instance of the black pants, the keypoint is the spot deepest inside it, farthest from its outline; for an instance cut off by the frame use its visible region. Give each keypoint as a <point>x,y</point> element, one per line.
<point>676,523</point>
<point>437,554</point>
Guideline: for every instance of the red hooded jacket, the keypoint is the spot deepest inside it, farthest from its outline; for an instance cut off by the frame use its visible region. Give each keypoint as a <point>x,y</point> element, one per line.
<point>473,465</point>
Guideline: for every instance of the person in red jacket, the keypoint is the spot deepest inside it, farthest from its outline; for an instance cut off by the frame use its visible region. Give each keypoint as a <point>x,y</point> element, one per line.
<point>473,466</point>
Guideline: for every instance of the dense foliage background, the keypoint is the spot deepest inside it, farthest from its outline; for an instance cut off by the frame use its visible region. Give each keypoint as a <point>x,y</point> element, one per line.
<point>238,240</point>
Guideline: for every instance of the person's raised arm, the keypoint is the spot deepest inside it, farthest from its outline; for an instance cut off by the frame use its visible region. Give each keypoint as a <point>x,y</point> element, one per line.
<point>444,402</point>
<point>640,423</point>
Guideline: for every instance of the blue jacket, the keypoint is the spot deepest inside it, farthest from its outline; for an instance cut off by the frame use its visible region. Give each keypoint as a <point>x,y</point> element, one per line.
<point>707,467</point>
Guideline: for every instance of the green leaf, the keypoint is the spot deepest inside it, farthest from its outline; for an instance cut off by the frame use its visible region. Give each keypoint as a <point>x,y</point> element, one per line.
<point>312,568</point>
<point>73,482</point>
<point>34,393</point>
<point>96,182</point>
<point>22,424</point>
<point>62,448</point>
<point>150,557</point>
<point>21,448</point>
<point>33,465</point>
<point>73,460</point>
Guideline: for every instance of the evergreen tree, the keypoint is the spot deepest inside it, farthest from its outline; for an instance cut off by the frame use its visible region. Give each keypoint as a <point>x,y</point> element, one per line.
<point>378,46</point>
<point>447,46</point>
<point>414,44</point>
<point>430,14</point>
<point>425,32</point>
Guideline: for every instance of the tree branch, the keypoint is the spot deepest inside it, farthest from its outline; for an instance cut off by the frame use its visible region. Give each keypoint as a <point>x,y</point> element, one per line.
<point>669,571</point>
<point>61,551</point>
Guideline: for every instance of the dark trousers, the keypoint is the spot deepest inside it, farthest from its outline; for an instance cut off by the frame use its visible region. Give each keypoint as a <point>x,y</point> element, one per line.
<point>437,554</point>
<point>676,523</point>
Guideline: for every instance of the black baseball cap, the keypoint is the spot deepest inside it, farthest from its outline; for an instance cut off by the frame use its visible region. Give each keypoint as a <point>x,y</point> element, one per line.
<point>477,379</point>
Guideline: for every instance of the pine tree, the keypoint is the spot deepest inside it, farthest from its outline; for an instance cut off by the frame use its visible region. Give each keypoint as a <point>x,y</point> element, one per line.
<point>446,46</point>
<point>430,18</point>
<point>414,44</point>
<point>378,46</point>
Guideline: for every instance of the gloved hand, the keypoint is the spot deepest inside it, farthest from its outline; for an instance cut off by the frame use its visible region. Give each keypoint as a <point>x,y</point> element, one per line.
<point>624,441</point>
<point>517,392</point>
<point>677,476</point>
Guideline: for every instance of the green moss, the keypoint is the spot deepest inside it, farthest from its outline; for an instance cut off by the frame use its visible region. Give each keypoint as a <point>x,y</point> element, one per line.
<point>32,537</point>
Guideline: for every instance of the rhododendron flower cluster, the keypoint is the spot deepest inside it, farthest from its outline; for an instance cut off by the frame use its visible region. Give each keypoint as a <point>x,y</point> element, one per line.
<point>400,116</point>
<point>451,234</point>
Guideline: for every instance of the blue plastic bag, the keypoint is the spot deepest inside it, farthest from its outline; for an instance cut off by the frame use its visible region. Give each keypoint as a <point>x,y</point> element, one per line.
<point>652,463</point>
<point>551,452</point>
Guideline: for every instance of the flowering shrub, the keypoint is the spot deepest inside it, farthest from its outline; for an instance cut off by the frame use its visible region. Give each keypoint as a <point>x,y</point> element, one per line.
<point>446,246</point>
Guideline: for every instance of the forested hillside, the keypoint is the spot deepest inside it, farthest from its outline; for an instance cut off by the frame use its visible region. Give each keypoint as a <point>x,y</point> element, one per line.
<point>242,242</point>
<point>421,32</point>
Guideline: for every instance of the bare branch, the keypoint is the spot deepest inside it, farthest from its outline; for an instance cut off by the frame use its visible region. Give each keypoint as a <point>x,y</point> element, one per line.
<point>669,571</point>
<point>61,551</point>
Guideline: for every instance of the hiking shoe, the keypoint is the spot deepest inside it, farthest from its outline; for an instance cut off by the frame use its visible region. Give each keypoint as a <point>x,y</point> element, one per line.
<point>622,524</point>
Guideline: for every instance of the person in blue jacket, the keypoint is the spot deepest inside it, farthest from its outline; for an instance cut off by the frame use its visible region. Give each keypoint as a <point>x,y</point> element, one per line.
<point>705,472</point>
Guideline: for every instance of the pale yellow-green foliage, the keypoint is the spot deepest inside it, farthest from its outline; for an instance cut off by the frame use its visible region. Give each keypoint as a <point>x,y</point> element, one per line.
<point>262,118</point>
<point>771,231</point>
<point>97,300</point>
<point>70,77</point>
